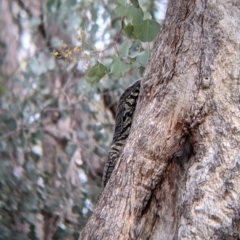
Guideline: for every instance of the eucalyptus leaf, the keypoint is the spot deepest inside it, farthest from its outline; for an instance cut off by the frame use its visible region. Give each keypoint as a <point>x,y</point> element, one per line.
<point>134,15</point>
<point>141,70</point>
<point>129,31</point>
<point>135,3</point>
<point>96,73</point>
<point>147,30</point>
<point>122,2</point>
<point>119,68</point>
<point>147,15</point>
<point>120,10</point>
<point>124,48</point>
<point>143,57</point>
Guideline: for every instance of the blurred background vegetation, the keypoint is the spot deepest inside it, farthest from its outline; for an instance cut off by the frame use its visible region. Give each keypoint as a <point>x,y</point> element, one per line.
<point>63,65</point>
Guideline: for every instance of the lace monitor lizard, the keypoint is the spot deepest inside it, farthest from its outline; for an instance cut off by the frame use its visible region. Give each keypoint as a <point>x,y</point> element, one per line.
<point>124,117</point>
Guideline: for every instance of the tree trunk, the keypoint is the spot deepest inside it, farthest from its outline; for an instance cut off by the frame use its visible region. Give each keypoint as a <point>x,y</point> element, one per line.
<point>178,174</point>
<point>9,37</point>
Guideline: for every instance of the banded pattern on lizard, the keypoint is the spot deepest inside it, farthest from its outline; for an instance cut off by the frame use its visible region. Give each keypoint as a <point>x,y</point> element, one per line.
<point>124,117</point>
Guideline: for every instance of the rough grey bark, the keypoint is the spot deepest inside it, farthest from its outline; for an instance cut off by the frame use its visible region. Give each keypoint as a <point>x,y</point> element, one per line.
<point>178,174</point>
<point>9,37</point>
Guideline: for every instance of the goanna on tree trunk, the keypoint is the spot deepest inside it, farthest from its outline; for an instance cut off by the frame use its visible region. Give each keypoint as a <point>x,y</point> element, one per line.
<point>178,174</point>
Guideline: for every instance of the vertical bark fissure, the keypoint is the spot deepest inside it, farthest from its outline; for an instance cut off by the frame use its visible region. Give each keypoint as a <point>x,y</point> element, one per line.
<point>209,215</point>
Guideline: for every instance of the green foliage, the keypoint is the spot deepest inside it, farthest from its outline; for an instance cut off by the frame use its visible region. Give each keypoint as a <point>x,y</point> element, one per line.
<point>119,68</point>
<point>95,73</point>
<point>137,24</point>
<point>55,130</point>
<point>147,30</point>
<point>124,48</point>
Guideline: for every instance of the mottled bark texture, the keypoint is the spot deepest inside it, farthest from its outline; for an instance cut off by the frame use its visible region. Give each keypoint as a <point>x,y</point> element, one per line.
<point>9,37</point>
<point>178,174</point>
